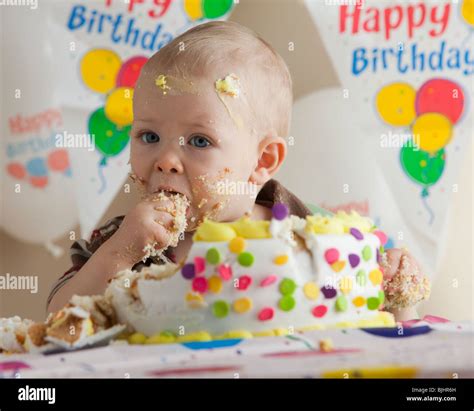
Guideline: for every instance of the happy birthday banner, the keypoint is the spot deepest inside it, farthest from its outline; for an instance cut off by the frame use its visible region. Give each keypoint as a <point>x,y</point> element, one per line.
<point>407,68</point>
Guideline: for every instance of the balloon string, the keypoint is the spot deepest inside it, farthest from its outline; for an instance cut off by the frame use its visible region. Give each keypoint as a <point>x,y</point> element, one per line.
<point>424,200</point>
<point>102,177</point>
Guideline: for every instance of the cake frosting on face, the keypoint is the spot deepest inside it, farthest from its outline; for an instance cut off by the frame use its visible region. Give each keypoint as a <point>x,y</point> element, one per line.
<point>250,278</point>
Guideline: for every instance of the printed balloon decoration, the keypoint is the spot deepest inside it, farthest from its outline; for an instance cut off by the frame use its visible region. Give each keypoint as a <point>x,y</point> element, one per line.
<point>103,72</point>
<point>207,9</point>
<point>431,112</point>
<point>37,169</point>
<point>467,12</point>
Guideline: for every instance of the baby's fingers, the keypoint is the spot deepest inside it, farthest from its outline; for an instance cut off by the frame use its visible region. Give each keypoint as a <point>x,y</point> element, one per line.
<point>392,262</point>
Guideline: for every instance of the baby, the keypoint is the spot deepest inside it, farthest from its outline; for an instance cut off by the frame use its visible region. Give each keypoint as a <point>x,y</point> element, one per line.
<point>211,111</point>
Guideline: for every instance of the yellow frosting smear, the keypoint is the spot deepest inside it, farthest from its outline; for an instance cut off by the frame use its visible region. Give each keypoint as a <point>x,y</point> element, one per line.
<point>382,319</point>
<point>339,223</point>
<point>245,228</point>
<point>229,85</point>
<point>213,231</point>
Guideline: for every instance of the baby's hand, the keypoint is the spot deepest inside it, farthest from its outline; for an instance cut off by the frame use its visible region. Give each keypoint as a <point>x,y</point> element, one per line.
<point>405,284</point>
<point>149,222</point>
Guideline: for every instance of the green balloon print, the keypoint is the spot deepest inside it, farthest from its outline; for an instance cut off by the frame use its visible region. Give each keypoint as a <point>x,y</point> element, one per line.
<point>109,139</point>
<point>213,9</point>
<point>421,166</point>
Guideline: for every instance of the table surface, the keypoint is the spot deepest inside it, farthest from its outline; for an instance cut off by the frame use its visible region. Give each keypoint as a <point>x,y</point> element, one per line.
<point>427,348</point>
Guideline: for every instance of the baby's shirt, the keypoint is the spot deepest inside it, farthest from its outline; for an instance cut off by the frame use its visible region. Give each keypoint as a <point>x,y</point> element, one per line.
<point>80,252</point>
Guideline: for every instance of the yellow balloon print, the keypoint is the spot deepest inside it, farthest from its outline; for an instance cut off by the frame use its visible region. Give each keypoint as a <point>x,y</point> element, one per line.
<point>467,11</point>
<point>99,68</point>
<point>396,104</point>
<point>432,131</point>
<point>193,9</point>
<point>119,106</point>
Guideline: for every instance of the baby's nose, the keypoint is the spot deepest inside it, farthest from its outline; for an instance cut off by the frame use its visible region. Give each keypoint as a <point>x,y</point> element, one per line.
<point>169,165</point>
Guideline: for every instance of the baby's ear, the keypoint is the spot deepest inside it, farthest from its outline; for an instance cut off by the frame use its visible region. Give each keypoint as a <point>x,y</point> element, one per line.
<point>271,154</point>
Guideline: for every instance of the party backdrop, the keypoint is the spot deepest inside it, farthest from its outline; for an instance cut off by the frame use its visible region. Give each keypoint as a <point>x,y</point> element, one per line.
<point>69,104</point>
<point>406,67</point>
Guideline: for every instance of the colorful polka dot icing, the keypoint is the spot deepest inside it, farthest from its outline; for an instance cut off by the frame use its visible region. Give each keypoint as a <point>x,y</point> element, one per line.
<point>256,276</point>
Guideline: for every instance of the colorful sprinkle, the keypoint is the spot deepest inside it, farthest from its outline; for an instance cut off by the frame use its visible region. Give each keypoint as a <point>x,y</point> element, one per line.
<point>341,303</point>
<point>280,259</point>
<point>193,337</point>
<point>287,303</point>
<point>199,265</point>
<point>358,301</point>
<point>243,282</point>
<point>268,280</point>
<point>311,291</point>
<point>195,300</point>
<point>280,211</point>
<point>225,271</point>
<point>356,233</point>
<point>319,311</point>
<point>242,305</point>
<point>266,314</point>
<point>245,259</point>
<point>188,271</point>
<point>381,296</point>
<point>215,284</point>
<point>345,285</point>
<point>220,309</point>
<point>237,245</point>
<point>338,266</point>
<point>354,260</point>
<point>200,285</point>
<point>137,338</point>
<point>331,255</point>
<point>287,286</point>
<point>376,276</point>
<point>361,278</point>
<point>366,253</point>
<point>213,256</point>
<point>328,291</point>
<point>382,236</point>
<point>373,303</point>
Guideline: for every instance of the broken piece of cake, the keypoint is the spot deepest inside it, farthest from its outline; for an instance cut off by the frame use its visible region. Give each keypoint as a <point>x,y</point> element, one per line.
<point>180,223</point>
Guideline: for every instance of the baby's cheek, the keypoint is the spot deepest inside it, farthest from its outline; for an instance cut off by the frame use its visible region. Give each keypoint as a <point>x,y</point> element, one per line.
<point>209,201</point>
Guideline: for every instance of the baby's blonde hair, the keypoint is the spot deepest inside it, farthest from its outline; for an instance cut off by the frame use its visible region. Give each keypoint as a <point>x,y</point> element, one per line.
<point>269,84</point>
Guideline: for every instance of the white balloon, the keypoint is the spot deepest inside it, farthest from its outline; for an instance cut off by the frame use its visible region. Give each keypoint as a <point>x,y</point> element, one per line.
<point>30,213</point>
<point>332,163</point>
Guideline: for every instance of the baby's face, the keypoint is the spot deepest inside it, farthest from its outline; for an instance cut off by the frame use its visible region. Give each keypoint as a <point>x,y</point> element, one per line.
<point>190,142</point>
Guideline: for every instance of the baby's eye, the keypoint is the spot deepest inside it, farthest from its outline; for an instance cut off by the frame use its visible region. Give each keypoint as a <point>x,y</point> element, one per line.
<point>199,142</point>
<point>150,137</point>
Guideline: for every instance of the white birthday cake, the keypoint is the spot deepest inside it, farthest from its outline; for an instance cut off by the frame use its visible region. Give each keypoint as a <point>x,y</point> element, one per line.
<point>254,278</point>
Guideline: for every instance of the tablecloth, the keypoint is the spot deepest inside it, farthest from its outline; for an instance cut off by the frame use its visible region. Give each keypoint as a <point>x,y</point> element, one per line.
<point>427,348</point>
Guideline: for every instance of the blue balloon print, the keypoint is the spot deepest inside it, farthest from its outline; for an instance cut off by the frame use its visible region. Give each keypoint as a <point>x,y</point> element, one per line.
<point>36,167</point>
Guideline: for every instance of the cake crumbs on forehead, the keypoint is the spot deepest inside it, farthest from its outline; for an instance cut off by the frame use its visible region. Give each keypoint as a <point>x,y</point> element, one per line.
<point>229,85</point>
<point>161,82</point>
